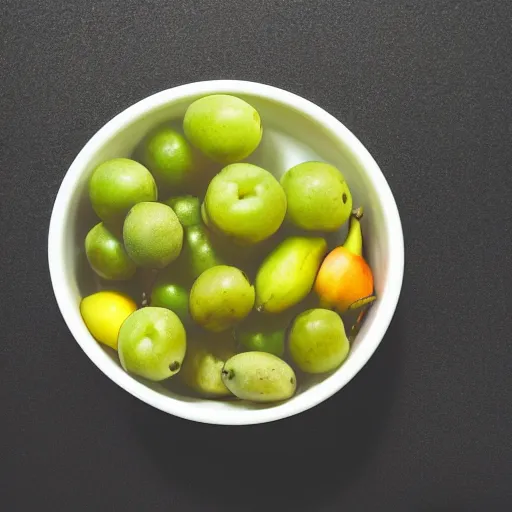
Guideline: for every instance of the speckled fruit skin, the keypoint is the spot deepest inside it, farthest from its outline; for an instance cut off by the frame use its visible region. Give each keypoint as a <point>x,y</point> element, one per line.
<point>317,341</point>
<point>221,297</point>
<point>153,235</point>
<point>259,377</point>
<point>318,196</point>
<point>224,128</point>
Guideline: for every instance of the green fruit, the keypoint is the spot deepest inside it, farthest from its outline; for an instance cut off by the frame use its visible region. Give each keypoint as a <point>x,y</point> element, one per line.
<point>168,156</point>
<point>261,336</point>
<point>259,377</point>
<point>171,293</point>
<point>187,209</point>
<point>202,367</point>
<point>318,196</point>
<point>152,343</point>
<point>117,185</point>
<point>225,128</point>
<point>152,235</point>
<point>317,341</point>
<point>245,202</point>
<point>198,252</point>
<point>288,273</point>
<point>106,254</point>
<point>204,216</point>
<point>221,297</point>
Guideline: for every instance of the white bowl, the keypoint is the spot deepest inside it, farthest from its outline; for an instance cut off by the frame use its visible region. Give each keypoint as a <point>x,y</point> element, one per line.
<point>295,130</point>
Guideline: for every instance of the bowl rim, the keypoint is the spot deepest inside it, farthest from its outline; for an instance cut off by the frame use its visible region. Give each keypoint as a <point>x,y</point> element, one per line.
<point>174,406</point>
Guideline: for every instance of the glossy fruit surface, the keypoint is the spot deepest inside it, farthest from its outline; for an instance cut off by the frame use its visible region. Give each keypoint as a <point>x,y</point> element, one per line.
<point>117,185</point>
<point>345,280</point>
<point>104,312</point>
<point>106,254</point>
<point>245,202</point>
<point>225,128</point>
<point>168,156</point>
<point>172,292</point>
<point>288,273</point>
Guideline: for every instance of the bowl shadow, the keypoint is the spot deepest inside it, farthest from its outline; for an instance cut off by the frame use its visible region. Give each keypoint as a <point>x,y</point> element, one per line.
<point>301,462</point>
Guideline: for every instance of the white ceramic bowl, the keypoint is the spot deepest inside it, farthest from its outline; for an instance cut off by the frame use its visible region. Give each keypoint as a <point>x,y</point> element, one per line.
<point>295,130</point>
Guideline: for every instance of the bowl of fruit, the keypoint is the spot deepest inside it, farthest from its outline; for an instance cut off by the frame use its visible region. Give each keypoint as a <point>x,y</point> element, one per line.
<point>227,252</point>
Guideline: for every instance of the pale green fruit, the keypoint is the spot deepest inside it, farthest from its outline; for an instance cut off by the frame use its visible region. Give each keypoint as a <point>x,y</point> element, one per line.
<point>288,273</point>
<point>107,255</point>
<point>318,196</point>
<point>117,185</point>
<point>245,202</point>
<point>317,341</point>
<point>153,235</point>
<point>225,128</point>
<point>259,377</point>
<point>221,297</point>
<point>152,343</point>
<point>202,367</point>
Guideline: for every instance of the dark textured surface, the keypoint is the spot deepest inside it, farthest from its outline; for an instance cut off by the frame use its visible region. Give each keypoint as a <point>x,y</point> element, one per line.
<point>427,424</point>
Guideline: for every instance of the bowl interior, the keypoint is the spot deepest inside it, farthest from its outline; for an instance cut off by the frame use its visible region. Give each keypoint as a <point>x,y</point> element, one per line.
<point>290,137</point>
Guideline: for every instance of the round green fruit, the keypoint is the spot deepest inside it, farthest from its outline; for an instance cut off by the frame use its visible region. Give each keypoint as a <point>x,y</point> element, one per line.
<point>221,297</point>
<point>168,156</point>
<point>261,336</point>
<point>117,185</point>
<point>152,343</point>
<point>187,209</point>
<point>225,128</point>
<point>107,255</point>
<point>171,293</point>
<point>318,196</point>
<point>317,341</point>
<point>152,235</point>
<point>245,202</point>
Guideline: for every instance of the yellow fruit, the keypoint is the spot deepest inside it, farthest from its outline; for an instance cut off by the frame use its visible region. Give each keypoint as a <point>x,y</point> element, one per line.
<point>103,314</point>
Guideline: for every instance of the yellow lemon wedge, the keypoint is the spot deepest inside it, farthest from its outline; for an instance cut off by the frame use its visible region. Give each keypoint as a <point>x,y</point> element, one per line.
<point>104,312</point>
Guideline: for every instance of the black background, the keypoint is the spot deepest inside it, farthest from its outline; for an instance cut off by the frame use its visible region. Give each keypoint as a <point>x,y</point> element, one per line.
<point>426,425</point>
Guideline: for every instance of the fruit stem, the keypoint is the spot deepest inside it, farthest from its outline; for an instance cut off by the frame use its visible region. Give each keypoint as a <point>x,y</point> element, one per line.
<point>357,213</point>
<point>354,241</point>
<point>354,330</point>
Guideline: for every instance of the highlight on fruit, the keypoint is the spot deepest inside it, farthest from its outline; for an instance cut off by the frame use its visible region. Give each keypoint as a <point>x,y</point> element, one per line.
<point>345,280</point>
<point>233,292</point>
